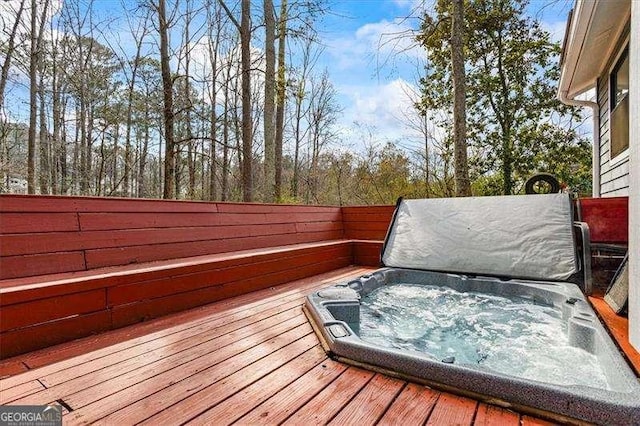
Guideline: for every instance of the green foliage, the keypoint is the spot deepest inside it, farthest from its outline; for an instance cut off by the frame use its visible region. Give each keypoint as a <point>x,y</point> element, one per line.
<point>516,125</point>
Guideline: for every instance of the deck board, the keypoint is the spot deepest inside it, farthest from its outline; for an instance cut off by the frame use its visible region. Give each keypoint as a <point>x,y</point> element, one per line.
<point>412,407</point>
<point>370,403</point>
<point>242,402</point>
<point>326,404</point>
<point>284,403</point>
<point>488,415</point>
<point>452,410</point>
<point>179,381</point>
<point>251,359</point>
<point>618,327</point>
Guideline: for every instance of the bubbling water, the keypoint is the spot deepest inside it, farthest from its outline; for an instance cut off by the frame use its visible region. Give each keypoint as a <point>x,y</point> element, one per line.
<point>510,335</point>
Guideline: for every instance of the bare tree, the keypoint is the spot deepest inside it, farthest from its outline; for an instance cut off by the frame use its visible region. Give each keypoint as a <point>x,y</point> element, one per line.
<point>280,92</point>
<point>247,126</point>
<point>269,100</point>
<point>302,106</point>
<point>322,115</point>
<point>167,92</point>
<point>463,186</point>
<point>33,90</point>
<point>34,63</point>
<point>188,103</point>
<point>139,35</point>
<point>11,46</point>
<point>244,28</point>
<point>44,175</point>
<point>213,43</point>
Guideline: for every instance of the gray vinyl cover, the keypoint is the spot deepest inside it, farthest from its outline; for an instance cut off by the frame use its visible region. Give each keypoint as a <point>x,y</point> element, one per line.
<point>520,236</point>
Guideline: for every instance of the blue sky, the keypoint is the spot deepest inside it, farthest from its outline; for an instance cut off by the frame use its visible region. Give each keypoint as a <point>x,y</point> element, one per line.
<point>371,58</point>
<point>373,69</point>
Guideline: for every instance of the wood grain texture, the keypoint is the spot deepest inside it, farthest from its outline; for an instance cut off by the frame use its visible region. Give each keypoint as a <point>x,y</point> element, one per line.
<point>234,407</point>
<point>232,377</point>
<point>18,223</point>
<point>251,359</point>
<point>370,403</point>
<point>608,218</point>
<point>532,421</point>
<point>12,367</point>
<point>326,404</point>
<point>41,264</point>
<point>40,336</point>
<point>488,415</point>
<point>618,327</point>
<point>452,410</point>
<point>284,403</point>
<point>39,311</point>
<point>367,222</point>
<point>367,253</point>
<point>63,232</point>
<point>95,348</point>
<point>142,298</point>
<point>412,406</point>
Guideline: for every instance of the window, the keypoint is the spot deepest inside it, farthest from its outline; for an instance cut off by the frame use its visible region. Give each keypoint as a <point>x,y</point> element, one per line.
<point>619,105</point>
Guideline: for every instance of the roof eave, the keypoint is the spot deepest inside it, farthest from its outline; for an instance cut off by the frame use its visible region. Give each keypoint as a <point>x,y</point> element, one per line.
<point>574,43</point>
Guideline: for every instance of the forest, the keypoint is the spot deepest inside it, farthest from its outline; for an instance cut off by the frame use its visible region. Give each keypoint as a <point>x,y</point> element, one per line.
<point>226,100</point>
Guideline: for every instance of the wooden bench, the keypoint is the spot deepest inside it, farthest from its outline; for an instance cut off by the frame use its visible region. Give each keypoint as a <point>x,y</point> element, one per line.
<point>73,266</point>
<point>367,227</point>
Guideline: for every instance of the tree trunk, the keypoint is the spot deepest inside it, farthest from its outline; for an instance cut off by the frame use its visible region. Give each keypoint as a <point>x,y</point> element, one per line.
<point>269,101</point>
<point>167,92</point>
<point>89,146</point>
<point>64,175</point>
<point>463,186</point>
<point>45,148</point>
<point>247,125</point>
<point>225,140</point>
<point>33,106</point>
<point>84,171</point>
<point>142,163</point>
<point>76,164</point>
<point>427,182</point>
<point>11,45</point>
<point>127,141</point>
<point>281,85</point>
<point>191,162</point>
<point>296,155</point>
<point>507,162</point>
<point>56,119</point>
<point>213,56</point>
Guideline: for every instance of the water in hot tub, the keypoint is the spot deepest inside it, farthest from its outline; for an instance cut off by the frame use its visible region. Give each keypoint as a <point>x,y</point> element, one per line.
<point>510,335</point>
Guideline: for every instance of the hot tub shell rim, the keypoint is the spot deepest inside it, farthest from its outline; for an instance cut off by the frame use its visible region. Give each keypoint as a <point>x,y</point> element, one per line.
<point>580,403</point>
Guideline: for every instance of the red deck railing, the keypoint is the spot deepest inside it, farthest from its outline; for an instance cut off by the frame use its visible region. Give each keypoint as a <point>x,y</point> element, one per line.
<point>73,266</point>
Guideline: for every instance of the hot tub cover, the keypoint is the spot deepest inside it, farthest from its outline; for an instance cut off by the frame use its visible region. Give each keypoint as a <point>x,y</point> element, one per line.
<point>519,236</point>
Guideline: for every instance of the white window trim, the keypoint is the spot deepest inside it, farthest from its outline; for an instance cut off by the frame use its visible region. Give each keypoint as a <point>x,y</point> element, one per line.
<point>624,155</point>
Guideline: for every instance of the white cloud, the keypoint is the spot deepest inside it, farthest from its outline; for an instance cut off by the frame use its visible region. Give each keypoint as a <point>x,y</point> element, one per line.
<point>382,107</point>
<point>414,6</point>
<point>371,68</point>
<point>556,29</point>
<point>378,43</point>
<point>9,10</point>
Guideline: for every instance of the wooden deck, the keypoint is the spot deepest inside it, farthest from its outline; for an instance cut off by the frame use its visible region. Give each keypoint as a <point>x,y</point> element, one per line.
<point>252,359</point>
<point>618,327</point>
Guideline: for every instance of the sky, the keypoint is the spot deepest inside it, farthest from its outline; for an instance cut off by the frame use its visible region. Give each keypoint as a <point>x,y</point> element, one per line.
<point>375,65</point>
<point>372,60</point>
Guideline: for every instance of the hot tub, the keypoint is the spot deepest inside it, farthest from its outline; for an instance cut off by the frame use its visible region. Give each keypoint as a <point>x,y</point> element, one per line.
<point>512,338</point>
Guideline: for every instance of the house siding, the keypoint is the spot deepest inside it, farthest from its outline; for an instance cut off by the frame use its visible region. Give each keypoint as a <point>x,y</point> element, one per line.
<point>614,175</point>
<point>634,192</point>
